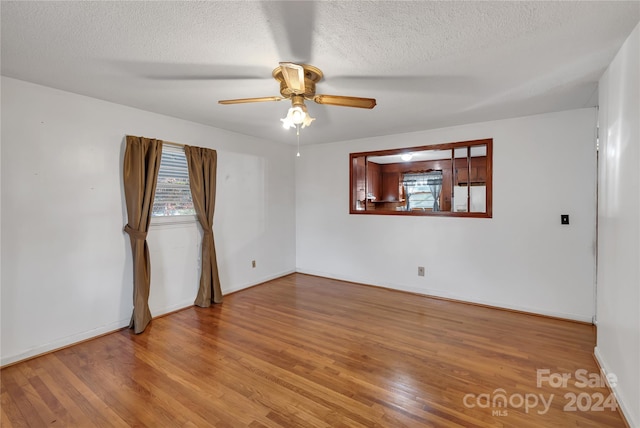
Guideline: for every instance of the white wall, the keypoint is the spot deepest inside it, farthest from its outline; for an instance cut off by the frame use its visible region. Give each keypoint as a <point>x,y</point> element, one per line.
<point>522,258</point>
<point>618,301</point>
<point>67,271</point>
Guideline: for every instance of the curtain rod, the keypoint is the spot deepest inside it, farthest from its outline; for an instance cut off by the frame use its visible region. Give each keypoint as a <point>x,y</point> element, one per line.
<point>171,143</point>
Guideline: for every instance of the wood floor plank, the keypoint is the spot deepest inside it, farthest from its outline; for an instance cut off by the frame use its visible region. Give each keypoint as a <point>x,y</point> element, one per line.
<point>11,414</point>
<point>304,351</point>
<point>21,396</point>
<point>78,395</point>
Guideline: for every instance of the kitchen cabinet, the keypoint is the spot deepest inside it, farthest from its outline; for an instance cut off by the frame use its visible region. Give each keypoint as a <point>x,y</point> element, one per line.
<point>390,186</point>
<point>373,181</point>
<point>478,172</point>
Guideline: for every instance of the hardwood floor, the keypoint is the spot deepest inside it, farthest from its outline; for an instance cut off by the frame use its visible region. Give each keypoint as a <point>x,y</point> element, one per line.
<point>303,351</point>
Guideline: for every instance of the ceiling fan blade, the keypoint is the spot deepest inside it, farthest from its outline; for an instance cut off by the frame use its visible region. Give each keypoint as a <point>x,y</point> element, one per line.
<point>430,83</point>
<point>338,100</point>
<point>207,77</point>
<point>250,100</point>
<point>292,24</point>
<point>194,71</point>
<point>294,77</point>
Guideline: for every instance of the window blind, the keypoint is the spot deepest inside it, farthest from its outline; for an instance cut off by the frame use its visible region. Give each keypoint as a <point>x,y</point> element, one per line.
<point>173,194</point>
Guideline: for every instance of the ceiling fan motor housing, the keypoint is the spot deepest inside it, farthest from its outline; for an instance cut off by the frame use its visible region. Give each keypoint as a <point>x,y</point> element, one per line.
<point>312,75</point>
<point>298,83</point>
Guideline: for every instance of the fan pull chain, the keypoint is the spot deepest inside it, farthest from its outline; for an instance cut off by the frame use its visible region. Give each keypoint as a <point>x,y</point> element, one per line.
<point>298,135</point>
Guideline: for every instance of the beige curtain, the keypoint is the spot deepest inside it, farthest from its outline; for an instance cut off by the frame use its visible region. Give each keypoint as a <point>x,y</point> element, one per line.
<point>203,164</point>
<point>140,173</point>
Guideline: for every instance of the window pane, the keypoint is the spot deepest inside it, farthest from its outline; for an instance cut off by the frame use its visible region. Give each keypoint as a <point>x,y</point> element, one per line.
<point>358,183</point>
<point>173,194</point>
<point>478,185</point>
<point>460,173</point>
<point>422,190</point>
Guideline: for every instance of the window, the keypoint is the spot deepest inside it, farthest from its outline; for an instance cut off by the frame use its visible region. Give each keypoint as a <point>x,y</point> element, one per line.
<point>422,190</point>
<point>173,194</point>
<point>452,179</point>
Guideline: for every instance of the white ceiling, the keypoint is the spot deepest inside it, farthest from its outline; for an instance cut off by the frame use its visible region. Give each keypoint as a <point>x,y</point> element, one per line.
<point>428,64</point>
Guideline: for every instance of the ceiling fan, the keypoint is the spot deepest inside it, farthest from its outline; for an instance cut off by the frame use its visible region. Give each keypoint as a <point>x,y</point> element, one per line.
<point>298,83</point>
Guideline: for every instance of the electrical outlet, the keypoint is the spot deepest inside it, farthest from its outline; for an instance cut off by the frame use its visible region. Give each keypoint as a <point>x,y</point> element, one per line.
<point>253,263</point>
<point>420,270</point>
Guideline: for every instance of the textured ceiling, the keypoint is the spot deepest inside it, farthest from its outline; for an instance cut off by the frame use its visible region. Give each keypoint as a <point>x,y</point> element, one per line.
<point>428,64</point>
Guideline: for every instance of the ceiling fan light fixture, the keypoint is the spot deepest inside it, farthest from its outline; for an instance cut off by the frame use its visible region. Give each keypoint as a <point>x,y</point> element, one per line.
<point>307,120</point>
<point>286,124</point>
<point>297,115</point>
<point>297,84</point>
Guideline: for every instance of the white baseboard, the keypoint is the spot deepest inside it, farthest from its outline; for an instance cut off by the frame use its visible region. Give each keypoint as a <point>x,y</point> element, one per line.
<point>64,342</point>
<point>117,325</point>
<point>108,328</point>
<point>85,335</point>
<point>259,281</point>
<point>439,293</point>
<point>622,404</point>
<point>168,309</point>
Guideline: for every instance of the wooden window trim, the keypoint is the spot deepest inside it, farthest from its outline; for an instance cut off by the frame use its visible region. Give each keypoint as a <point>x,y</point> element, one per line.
<point>488,142</point>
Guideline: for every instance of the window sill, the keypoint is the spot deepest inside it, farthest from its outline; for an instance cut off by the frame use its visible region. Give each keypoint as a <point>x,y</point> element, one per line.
<point>172,220</point>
